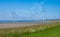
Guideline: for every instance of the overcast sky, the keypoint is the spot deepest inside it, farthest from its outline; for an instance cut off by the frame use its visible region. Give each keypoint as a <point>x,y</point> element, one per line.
<point>29,9</point>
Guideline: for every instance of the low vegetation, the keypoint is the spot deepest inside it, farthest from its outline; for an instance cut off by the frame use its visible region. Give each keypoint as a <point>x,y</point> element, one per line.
<point>43,30</point>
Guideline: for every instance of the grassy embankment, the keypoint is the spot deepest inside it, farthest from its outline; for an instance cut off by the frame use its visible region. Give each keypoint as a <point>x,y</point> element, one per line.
<point>52,30</point>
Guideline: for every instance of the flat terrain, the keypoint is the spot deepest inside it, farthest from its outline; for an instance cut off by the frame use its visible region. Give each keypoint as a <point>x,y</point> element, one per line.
<point>12,25</point>
<point>22,24</point>
<point>46,29</point>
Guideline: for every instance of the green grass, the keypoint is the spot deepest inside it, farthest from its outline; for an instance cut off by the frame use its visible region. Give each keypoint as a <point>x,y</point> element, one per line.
<point>49,32</point>
<point>41,31</point>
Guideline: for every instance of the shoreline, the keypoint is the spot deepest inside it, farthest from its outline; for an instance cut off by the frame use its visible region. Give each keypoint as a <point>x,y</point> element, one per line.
<point>23,24</point>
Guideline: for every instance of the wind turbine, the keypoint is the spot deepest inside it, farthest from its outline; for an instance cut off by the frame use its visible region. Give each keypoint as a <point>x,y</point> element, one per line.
<point>13,15</point>
<point>41,9</point>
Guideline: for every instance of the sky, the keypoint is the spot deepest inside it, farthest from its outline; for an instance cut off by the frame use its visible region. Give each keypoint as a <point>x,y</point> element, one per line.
<point>29,9</point>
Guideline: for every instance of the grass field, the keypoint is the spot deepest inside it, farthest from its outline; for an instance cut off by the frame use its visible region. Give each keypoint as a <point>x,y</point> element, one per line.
<point>49,32</point>
<point>52,30</point>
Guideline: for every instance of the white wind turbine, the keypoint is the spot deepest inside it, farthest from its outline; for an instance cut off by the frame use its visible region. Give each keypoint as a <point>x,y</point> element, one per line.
<point>41,9</point>
<point>14,15</point>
